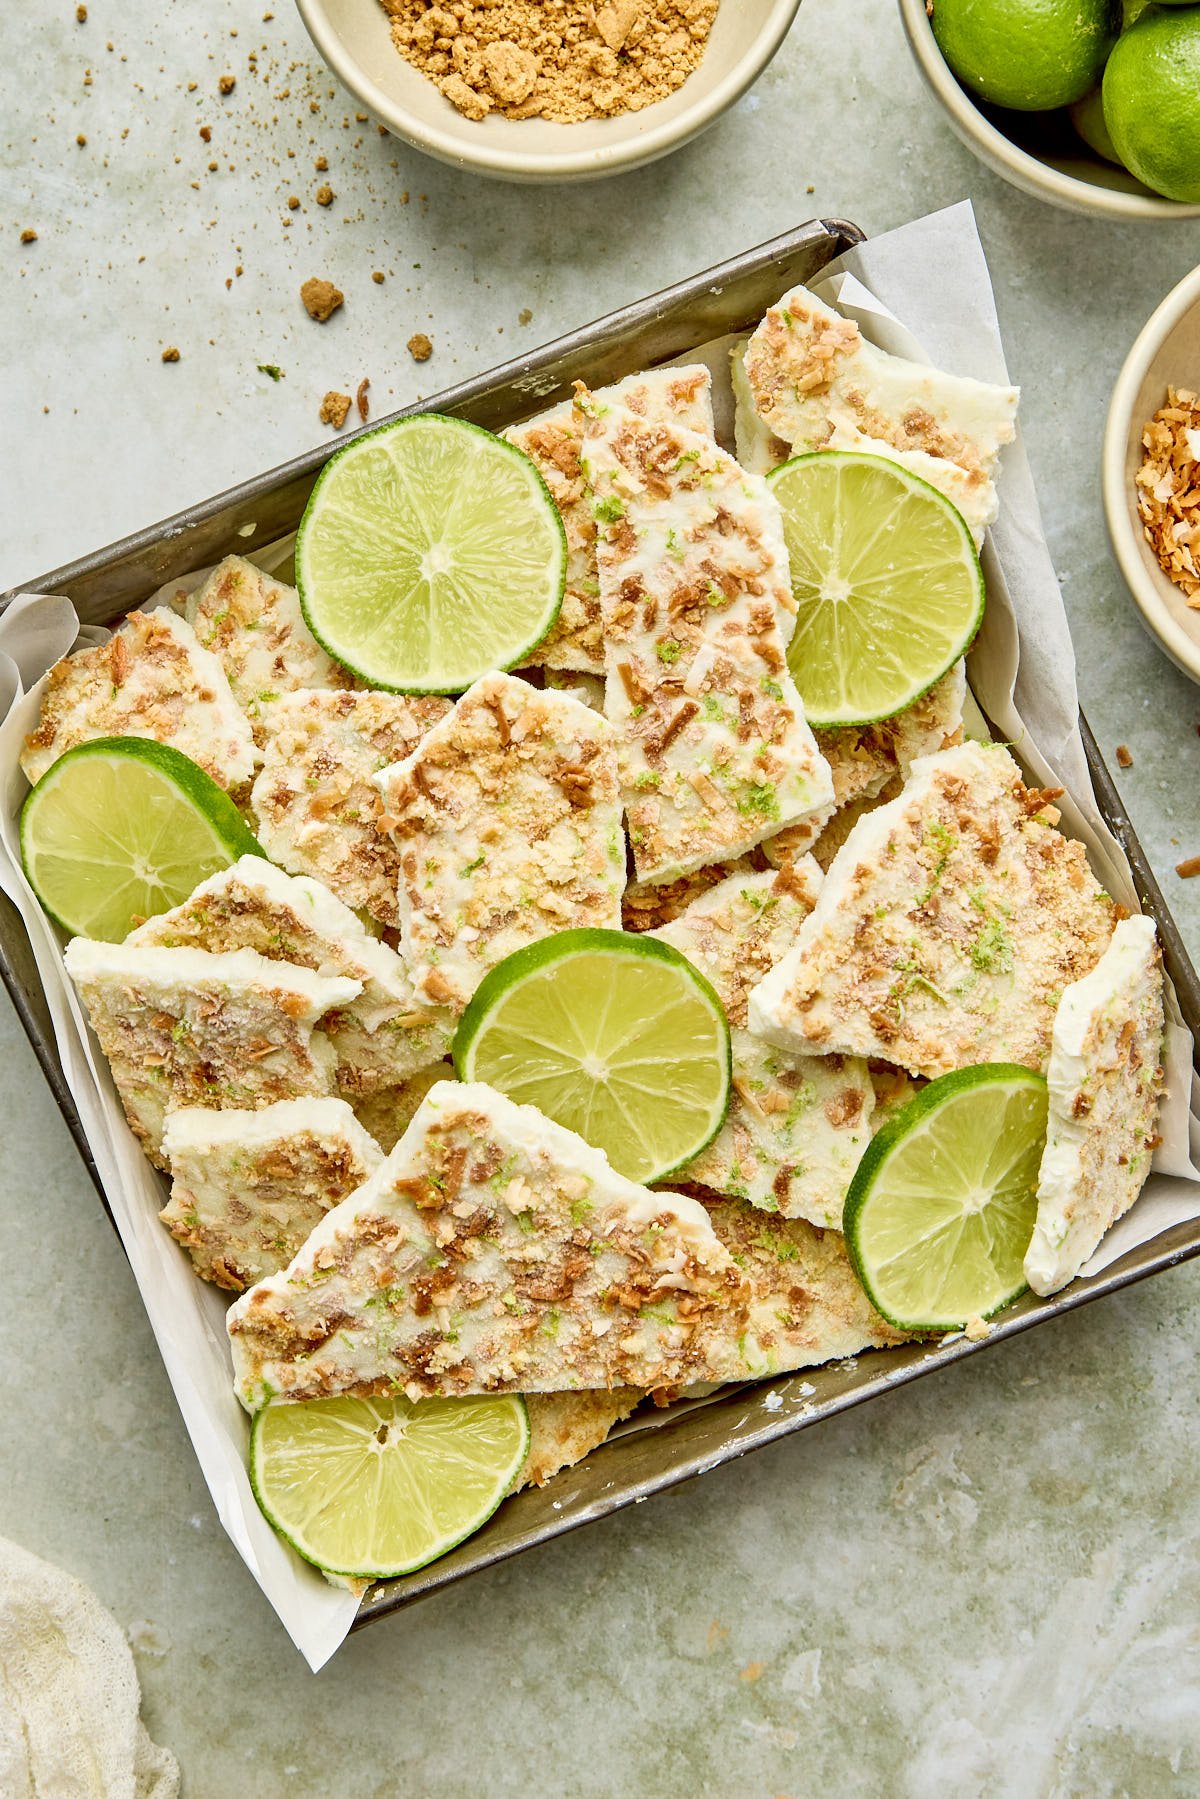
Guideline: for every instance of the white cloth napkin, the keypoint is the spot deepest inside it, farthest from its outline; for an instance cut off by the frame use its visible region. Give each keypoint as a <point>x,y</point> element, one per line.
<point>69,1694</point>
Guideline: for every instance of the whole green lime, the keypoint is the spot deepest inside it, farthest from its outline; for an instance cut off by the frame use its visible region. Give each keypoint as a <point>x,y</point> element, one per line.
<point>1087,116</point>
<point>1152,101</point>
<point>1031,55</point>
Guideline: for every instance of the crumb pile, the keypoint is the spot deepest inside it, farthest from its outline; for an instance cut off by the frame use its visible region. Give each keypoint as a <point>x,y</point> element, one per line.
<point>1168,484</point>
<point>553,59</point>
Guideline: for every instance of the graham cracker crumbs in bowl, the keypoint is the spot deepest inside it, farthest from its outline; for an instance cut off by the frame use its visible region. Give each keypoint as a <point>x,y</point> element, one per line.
<point>1168,485</point>
<point>321,298</point>
<point>553,59</point>
<point>335,409</point>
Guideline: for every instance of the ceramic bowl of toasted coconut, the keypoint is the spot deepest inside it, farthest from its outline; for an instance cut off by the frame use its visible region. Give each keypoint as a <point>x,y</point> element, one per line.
<point>1151,474</point>
<point>548,90</point>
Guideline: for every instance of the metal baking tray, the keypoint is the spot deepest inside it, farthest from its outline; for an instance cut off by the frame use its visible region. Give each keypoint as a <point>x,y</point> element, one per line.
<point>634,1465</point>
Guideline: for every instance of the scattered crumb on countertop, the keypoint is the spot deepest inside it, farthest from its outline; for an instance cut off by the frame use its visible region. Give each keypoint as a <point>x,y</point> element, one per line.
<point>1189,867</point>
<point>321,298</point>
<point>361,401</point>
<point>1124,756</point>
<point>226,84</point>
<point>325,195</point>
<point>29,236</point>
<point>377,277</point>
<point>170,354</point>
<point>335,409</point>
<point>420,347</point>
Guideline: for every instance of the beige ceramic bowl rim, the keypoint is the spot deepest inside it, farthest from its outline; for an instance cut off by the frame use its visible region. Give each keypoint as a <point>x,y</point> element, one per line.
<point>1027,171</point>
<point>1124,532</point>
<point>633,149</point>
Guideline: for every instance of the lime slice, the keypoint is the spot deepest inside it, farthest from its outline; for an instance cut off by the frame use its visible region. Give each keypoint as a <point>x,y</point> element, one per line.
<point>121,829</point>
<point>616,1037</point>
<point>430,552</point>
<point>941,1208</point>
<point>887,583</point>
<point>373,1488</point>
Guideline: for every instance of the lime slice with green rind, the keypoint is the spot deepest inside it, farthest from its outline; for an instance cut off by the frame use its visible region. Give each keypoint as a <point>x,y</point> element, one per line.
<point>374,1488</point>
<point>615,1036</point>
<point>121,829</point>
<point>887,583</point>
<point>942,1206</point>
<point>430,553</point>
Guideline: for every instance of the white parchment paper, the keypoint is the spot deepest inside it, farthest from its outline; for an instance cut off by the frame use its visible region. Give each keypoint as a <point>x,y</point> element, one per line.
<point>930,274</point>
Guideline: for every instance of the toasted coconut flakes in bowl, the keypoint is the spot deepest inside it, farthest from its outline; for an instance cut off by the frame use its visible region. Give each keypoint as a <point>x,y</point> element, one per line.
<point>1169,490</point>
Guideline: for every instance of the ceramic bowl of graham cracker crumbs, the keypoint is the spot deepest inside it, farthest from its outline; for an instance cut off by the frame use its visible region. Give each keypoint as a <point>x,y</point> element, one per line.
<point>1151,474</point>
<point>547,90</point>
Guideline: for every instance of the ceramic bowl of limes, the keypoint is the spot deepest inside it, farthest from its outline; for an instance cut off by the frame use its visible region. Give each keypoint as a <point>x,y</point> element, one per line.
<point>1093,105</point>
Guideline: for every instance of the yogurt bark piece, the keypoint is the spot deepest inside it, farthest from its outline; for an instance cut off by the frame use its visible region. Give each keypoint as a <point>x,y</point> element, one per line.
<point>806,1304</point>
<point>382,1037</point>
<point>587,689</point>
<point>950,921</point>
<point>1105,1079</point>
<point>757,448</point>
<point>248,1187</point>
<point>797,1125</point>
<point>866,759</point>
<point>181,1027</point>
<point>387,1112</point>
<point>566,1427</point>
<point>811,372</point>
<point>647,907</point>
<point>315,807</point>
<point>507,822</point>
<point>254,626</point>
<point>553,441</point>
<point>493,1252</point>
<point>971,490</point>
<point>151,679</point>
<point>715,753</point>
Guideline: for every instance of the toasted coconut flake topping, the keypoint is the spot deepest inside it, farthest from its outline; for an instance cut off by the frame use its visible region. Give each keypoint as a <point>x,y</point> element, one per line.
<point>1168,490</point>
